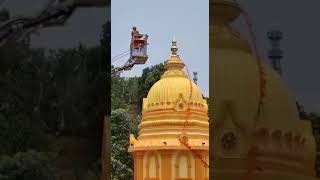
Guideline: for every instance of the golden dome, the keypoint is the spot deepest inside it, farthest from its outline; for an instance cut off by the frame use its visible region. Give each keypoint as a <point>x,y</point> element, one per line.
<point>173,83</point>
<point>238,77</point>
<point>168,89</point>
<point>172,102</point>
<point>239,84</point>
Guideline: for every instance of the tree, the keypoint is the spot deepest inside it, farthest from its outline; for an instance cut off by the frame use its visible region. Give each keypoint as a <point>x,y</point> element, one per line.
<point>127,95</point>
<point>150,76</point>
<point>121,160</point>
<point>49,97</point>
<point>27,165</point>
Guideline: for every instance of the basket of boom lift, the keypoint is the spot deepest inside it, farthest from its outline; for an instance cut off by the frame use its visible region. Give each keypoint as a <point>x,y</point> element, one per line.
<point>138,48</point>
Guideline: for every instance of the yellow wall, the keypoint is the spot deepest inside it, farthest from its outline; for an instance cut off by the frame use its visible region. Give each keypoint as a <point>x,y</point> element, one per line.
<point>183,165</point>
<point>151,165</point>
<point>171,165</point>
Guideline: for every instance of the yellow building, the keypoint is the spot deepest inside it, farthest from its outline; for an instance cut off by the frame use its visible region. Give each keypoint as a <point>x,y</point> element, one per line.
<point>173,139</point>
<point>256,131</point>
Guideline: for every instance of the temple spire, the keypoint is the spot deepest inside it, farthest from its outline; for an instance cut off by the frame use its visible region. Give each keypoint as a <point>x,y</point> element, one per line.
<point>174,48</point>
<point>174,66</point>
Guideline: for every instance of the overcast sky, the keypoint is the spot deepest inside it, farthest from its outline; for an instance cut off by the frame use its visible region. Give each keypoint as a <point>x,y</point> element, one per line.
<point>161,20</point>
<point>299,22</point>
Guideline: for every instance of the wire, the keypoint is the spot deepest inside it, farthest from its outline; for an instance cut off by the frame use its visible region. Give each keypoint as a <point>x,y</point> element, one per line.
<point>262,88</point>
<point>262,79</point>
<point>119,57</point>
<point>187,116</point>
<point>120,54</point>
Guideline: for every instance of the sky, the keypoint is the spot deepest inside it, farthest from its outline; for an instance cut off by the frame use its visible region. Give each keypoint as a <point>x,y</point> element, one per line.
<point>299,22</point>
<point>187,20</point>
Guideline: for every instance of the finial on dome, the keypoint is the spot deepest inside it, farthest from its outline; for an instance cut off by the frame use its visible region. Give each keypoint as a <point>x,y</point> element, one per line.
<point>174,48</point>
<point>174,66</point>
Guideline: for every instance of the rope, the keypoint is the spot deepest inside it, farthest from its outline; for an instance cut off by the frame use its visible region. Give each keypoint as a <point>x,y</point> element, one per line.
<point>262,88</point>
<point>262,80</point>
<point>185,124</point>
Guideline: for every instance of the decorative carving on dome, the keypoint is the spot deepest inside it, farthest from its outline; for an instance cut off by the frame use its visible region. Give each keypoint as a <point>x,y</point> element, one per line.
<point>184,138</point>
<point>181,104</point>
<point>231,144</point>
<point>279,140</point>
<point>229,141</point>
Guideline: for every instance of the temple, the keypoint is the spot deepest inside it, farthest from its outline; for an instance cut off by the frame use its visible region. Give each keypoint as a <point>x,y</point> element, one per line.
<point>173,140</point>
<point>256,132</point>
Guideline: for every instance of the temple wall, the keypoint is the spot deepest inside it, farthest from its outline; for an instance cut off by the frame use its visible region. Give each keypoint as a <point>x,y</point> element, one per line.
<point>171,165</point>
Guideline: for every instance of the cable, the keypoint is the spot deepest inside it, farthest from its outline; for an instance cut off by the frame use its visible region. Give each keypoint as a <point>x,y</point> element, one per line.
<point>118,58</point>
<point>120,54</point>
<point>262,91</point>
<point>262,79</point>
<point>183,131</point>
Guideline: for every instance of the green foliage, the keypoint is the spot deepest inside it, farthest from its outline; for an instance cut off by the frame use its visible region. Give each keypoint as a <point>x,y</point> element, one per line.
<point>315,120</point>
<point>149,76</point>
<point>126,96</point>
<point>121,160</point>
<point>123,93</point>
<point>27,165</point>
<point>19,133</point>
<point>127,93</point>
<point>48,97</point>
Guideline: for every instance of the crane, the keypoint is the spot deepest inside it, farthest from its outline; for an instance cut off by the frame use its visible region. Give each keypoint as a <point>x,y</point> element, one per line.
<point>138,52</point>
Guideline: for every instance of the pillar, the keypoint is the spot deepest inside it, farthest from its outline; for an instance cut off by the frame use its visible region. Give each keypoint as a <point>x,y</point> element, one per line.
<point>138,165</point>
<point>200,167</point>
<point>166,161</point>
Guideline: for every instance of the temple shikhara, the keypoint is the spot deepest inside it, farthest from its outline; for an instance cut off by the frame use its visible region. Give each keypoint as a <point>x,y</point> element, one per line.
<point>256,132</point>
<point>173,139</point>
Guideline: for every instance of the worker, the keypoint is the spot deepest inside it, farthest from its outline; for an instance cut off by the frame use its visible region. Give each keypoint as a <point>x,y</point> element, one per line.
<point>146,39</point>
<point>134,32</point>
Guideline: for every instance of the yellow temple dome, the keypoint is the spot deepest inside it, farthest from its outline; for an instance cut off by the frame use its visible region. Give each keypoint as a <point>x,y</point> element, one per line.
<point>253,109</point>
<point>173,84</point>
<point>173,137</point>
<point>164,112</point>
<point>239,77</point>
<point>169,89</point>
